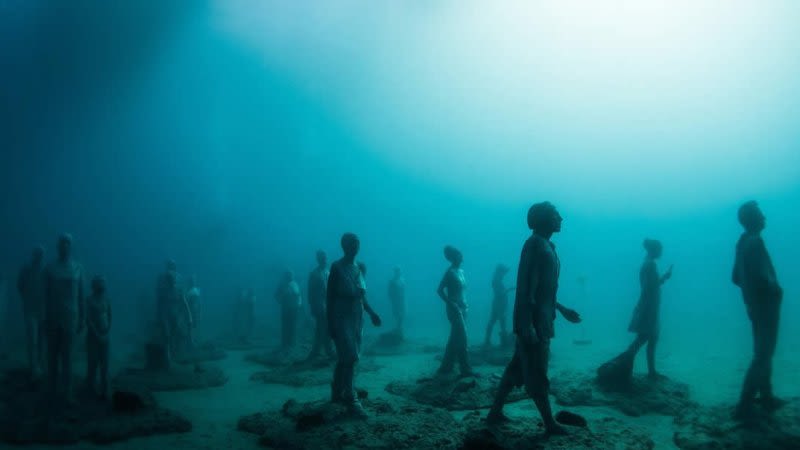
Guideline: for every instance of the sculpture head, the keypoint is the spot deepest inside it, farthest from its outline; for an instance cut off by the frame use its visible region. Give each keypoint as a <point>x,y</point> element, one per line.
<point>350,245</point>
<point>99,284</point>
<point>38,255</point>
<point>64,246</point>
<point>322,258</point>
<point>653,247</point>
<point>543,218</point>
<point>171,265</point>
<point>453,255</point>
<point>751,217</point>
<point>501,270</point>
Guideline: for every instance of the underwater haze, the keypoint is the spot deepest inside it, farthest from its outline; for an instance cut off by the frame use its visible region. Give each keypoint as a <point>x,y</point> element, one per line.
<point>238,137</point>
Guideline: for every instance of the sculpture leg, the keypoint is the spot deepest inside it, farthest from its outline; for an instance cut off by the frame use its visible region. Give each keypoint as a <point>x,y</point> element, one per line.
<point>651,355</point>
<point>91,362</point>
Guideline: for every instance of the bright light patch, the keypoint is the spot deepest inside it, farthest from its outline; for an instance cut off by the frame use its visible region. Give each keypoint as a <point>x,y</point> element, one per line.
<point>626,102</point>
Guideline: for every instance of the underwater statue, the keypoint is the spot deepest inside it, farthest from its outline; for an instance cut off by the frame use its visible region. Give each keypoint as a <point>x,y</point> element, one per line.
<point>535,309</point>
<point>617,373</point>
<point>193,295</point>
<point>451,291</point>
<point>98,324</point>
<point>317,291</point>
<point>244,315</point>
<point>31,288</point>
<point>754,274</point>
<point>397,298</point>
<point>65,317</point>
<point>499,305</point>
<point>645,322</point>
<point>346,301</point>
<point>171,308</point>
<point>289,298</point>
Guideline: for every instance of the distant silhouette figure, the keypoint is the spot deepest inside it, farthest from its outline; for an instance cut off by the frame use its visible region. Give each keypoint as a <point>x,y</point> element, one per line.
<point>754,273</point>
<point>317,292</point>
<point>31,286</point>
<point>65,317</point>
<point>244,315</point>
<point>397,297</point>
<point>193,296</point>
<point>499,305</point>
<point>535,309</point>
<point>98,324</point>
<point>451,291</point>
<point>346,302</point>
<point>289,298</point>
<point>172,307</point>
<point>645,321</point>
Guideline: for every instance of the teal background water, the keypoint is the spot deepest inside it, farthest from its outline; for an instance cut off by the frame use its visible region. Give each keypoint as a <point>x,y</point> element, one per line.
<point>238,137</point>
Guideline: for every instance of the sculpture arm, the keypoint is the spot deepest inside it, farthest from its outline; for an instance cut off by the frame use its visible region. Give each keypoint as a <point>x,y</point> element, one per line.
<point>442,290</point>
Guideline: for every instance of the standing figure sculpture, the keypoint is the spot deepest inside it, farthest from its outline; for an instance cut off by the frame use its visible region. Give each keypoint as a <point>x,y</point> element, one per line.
<point>171,308</point>
<point>645,322</point>
<point>754,274</point>
<point>397,297</point>
<point>451,291</point>
<point>346,302</point>
<point>499,305</point>
<point>535,309</point>
<point>317,293</point>
<point>289,298</point>
<point>244,315</point>
<point>193,296</point>
<point>98,324</point>
<point>65,317</point>
<point>31,288</point>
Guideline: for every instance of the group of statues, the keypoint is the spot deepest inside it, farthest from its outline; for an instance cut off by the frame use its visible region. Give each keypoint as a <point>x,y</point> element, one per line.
<point>56,311</point>
<point>536,306</point>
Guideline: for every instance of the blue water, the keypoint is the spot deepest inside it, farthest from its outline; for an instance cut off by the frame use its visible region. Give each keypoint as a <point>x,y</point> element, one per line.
<point>238,137</point>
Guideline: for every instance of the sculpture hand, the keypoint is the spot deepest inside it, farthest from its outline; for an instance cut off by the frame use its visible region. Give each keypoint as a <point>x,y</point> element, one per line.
<point>376,320</point>
<point>571,315</point>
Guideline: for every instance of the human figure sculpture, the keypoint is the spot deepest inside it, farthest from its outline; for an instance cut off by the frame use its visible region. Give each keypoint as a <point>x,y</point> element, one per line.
<point>317,291</point>
<point>65,317</point>
<point>397,298</point>
<point>535,309</point>
<point>31,288</point>
<point>451,291</point>
<point>346,301</point>
<point>193,301</point>
<point>98,324</point>
<point>754,274</point>
<point>290,300</point>
<point>645,322</point>
<point>499,305</point>
<point>172,307</point>
<point>244,315</point>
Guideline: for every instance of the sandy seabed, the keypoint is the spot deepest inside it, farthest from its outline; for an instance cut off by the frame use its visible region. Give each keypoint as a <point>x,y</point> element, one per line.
<point>215,412</point>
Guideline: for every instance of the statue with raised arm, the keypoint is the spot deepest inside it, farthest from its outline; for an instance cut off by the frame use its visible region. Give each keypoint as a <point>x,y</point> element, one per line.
<point>499,305</point>
<point>754,274</point>
<point>397,297</point>
<point>535,309</point>
<point>451,291</point>
<point>98,325</point>
<point>289,298</point>
<point>31,288</point>
<point>65,317</point>
<point>317,289</point>
<point>645,322</point>
<point>346,301</point>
